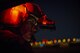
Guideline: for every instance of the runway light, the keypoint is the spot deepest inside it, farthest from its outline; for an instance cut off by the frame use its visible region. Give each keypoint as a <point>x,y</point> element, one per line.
<point>78,40</point>
<point>49,42</point>
<point>59,41</point>
<point>68,40</point>
<point>39,43</point>
<point>44,41</point>
<point>36,43</point>
<point>64,40</point>
<point>55,41</point>
<point>31,44</point>
<point>74,39</point>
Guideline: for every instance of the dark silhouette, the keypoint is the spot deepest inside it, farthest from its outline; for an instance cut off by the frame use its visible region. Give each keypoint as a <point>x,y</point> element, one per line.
<point>18,25</point>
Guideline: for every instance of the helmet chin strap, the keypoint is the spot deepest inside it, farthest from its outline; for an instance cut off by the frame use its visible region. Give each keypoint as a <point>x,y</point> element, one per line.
<point>28,38</point>
<point>36,18</point>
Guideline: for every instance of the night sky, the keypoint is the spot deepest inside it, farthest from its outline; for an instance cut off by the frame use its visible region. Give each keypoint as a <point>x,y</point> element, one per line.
<point>65,13</point>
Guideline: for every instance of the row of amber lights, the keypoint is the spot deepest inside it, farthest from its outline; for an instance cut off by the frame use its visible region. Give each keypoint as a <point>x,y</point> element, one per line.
<point>46,42</point>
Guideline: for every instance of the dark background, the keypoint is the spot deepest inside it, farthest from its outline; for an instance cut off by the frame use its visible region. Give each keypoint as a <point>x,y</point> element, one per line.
<point>66,14</point>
